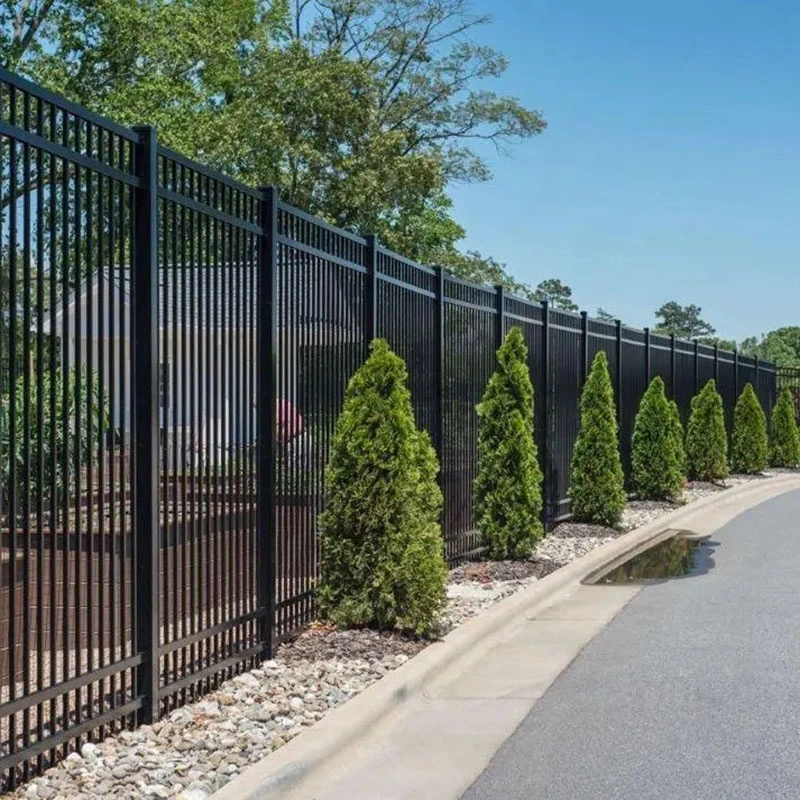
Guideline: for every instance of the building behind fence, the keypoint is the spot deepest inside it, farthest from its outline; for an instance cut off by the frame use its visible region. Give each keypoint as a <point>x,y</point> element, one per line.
<point>175,348</point>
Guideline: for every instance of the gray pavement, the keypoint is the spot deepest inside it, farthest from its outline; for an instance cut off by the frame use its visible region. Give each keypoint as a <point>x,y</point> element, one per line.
<point>692,691</point>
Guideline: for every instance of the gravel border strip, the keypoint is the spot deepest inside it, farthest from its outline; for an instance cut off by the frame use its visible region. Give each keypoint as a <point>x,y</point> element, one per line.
<point>200,747</point>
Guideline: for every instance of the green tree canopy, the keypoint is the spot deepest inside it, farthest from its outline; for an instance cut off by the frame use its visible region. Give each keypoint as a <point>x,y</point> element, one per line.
<point>558,294</point>
<point>781,346</point>
<point>684,321</point>
<point>361,111</point>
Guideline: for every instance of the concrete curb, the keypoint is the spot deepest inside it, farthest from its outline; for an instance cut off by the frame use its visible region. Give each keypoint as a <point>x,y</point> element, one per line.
<point>342,727</point>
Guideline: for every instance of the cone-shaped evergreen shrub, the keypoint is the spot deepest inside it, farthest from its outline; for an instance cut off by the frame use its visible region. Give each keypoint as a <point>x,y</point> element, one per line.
<point>655,461</point>
<point>382,562</point>
<point>677,438</point>
<point>784,446</point>
<point>706,440</point>
<point>508,489</point>
<point>596,489</point>
<point>749,442</point>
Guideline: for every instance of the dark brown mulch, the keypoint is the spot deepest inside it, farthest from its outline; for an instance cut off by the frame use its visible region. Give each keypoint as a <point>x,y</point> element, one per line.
<point>321,642</point>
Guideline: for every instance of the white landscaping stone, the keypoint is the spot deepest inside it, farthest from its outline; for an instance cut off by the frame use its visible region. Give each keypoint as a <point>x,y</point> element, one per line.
<point>89,750</point>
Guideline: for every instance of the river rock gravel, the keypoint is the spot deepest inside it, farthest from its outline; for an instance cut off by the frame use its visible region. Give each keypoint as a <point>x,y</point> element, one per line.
<point>198,748</point>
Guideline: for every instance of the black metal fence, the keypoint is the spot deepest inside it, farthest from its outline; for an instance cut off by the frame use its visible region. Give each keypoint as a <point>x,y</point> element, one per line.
<point>174,350</point>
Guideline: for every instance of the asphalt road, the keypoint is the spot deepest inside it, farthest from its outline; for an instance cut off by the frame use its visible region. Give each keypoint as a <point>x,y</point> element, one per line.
<point>693,691</point>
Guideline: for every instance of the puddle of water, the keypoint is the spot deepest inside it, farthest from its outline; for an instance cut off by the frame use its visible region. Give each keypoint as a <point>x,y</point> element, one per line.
<point>671,558</point>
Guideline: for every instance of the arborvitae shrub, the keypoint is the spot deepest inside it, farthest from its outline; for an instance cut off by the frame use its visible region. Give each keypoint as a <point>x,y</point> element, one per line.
<point>508,489</point>
<point>677,438</point>
<point>706,440</point>
<point>596,490</point>
<point>749,447</point>
<point>784,446</point>
<point>382,562</point>
<point>656,472</point>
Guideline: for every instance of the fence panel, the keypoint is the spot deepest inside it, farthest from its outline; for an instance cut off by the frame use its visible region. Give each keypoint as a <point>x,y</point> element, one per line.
<point>406,318</point>
<point>321,333</point>
<point>634,382</point>
<point>726,386</point>
<point>685,388</point>
<point>470,344</point>
<point>564,382</point>
<point>528,317</point>
<point>208,602</point>
<point>68,657</point>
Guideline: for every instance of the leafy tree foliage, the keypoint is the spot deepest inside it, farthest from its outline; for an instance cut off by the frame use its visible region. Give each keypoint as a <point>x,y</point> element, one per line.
<point>558,294</point>
<point>604,315</point>
<point>749,447</point>
<point>684,321</point>
<point>781,346</point>
<point>596,491</point>
<point>656,468</point>
<point>382,561</point>
<point>361,111</point>
<point>784,445</point>
<point>508,489</point>
<point>706,440</point>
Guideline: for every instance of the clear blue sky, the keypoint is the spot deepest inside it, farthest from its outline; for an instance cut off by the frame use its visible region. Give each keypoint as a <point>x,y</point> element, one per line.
<point>670,168</point>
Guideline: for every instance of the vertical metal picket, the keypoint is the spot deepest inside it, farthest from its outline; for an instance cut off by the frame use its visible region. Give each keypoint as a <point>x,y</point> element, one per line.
<point>716,365</point>
<point>672,363</point>
<point>549,500</point>
<point>500,318</point>
<point>647,356</point>
<point>145,419</point>
<point>371,291</point>
<point>584,347</point>
<point>696,366</point>
<point>439,395</point>
<point>266,385</point>
<point>618,386</point>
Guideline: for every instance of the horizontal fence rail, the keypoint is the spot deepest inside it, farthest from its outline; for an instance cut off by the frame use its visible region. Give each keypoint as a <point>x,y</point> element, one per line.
<point>174,352</point>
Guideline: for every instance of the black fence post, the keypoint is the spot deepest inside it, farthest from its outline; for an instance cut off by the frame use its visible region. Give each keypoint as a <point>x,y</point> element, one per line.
<point>500,318</point>
<point>439,367</point>
<point>735,372</point>
<point>618,387</point>
<point>371,291</point>
<point>144,335</point>
<point>545,395</point>
<point>758,369</point>
<point>647,356</point>
<point>696,366</point>
<point>716,364</point>
<point>584,347</point>
<point>266,384</point>
<point>672,365</point>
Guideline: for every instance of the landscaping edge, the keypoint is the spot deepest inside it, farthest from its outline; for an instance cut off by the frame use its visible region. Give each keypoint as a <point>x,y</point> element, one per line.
<point>285,768</point>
